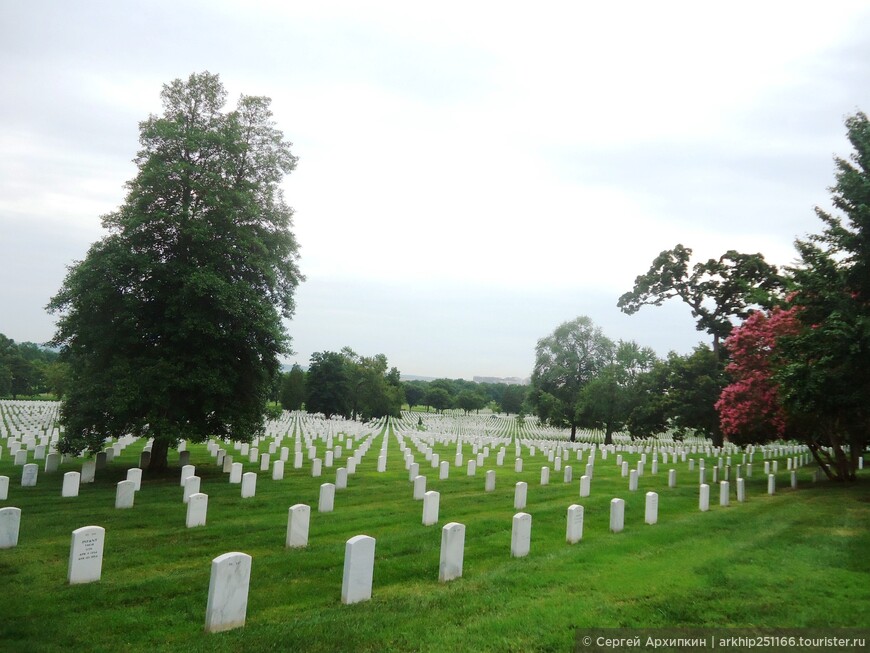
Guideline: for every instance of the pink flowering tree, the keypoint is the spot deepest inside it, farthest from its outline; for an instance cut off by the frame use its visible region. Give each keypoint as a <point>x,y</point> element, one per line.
<point>749,408</point>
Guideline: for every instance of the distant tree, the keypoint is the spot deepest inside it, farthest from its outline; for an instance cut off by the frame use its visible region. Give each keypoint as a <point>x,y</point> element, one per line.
<point>374,391</point>
<point>607,400</point>
<point>469,400</point>
<point>415,393</point>
<point>717,290</point>
<point>292,395</point>
<point>172,324</point>
<point>438,397</point>
<point>513,397</point>
<point>680,394</point>
<point>24,376</point>
<point>328,385</point>
<point>565,362</point>
<point>5,379</point>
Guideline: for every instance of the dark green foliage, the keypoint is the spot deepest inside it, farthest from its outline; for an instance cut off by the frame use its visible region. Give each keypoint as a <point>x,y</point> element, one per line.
<point>25,368</point>
<point>680,393</point>
<point>292,391</point>
<point>565,362</point>
<point>716,290</point>
<point>607,401</point>
<point>328,385</point>
<point>344,383</point>
<point>171,325</point>
<point>825,369</point>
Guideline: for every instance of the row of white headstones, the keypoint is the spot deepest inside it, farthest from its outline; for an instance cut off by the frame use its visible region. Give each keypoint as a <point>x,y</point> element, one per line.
<point>230,577</point>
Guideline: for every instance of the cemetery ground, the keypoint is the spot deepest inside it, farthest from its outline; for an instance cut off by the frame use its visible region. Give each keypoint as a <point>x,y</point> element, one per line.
<point>797,558</point>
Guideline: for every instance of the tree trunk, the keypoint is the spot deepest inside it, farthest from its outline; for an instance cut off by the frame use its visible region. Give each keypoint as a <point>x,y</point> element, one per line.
<point>608,434</point>
<point>159,456</point>
<point>573,433</point>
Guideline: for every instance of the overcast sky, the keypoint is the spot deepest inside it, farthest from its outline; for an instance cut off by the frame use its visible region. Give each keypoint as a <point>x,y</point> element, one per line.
<point>471,174</point>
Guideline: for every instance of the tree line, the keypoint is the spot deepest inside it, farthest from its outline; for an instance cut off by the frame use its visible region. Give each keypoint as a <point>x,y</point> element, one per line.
<point>172,325</point>
<point>347,384</point>
<point>28,369</point>
<point>790,353</point>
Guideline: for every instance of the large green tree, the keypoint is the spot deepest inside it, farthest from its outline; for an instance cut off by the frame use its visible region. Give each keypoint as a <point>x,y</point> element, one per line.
<point>606,402</point>
<point>680,394</point>
<point>717,290</point>
<point>292,393</point>
<point>824,370</point>
<point>566,361</point>
<point>172,324</point>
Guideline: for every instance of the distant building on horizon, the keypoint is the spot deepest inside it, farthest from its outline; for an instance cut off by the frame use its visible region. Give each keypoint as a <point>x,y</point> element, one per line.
<point>508,380</point>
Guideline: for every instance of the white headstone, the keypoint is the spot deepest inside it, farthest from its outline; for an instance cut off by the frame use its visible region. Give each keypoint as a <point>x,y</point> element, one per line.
<point>419,487</point>
<point>326,502</point>
<point>265,459</point>
<point>413,471</point>
<point>518,465</point>
<point>568,474</point>
<point>521,535</point>
<point>472,468</point>
<point>20,457</point>
<point>431,504</point>
<point>191,487</point>
<point>617,515</point>
<point>584,486</point>
<point>359,567</point>
<point>71,482</point>
<point>29,474</point>
<point>490,481</point>
<point>278,470</point>
<point>793,479</point>
<point>86,555</point>
<point>771,484</point>
<point>10,524</point>
<point>298,520</point>
<point>249,485</point>
<point>651,510</point>
<point>741,490</point>
<point>125,493</point>
<point>316,468</point>
<point>228,592</point>
<point>452,551</point>
<point>236,473</point>
<point>186,472</point>
<point>197,508</point>
<point>52,462</point>
<point>382,463</point>
<point>520,495</point>
<point>135,474</point>
<point>632,480</point>
<point>704,498</point>
<point>724,493</point>
<point>4,488</point>
<point>574,531</point>
<point>545,475</point>
<point>672,478</point>
<point>443,470</point>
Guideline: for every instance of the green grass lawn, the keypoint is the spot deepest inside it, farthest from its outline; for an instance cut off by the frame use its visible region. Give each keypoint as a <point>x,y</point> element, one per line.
<point>795,559</point>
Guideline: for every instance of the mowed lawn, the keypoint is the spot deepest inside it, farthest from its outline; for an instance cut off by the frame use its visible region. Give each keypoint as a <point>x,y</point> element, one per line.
<point>795,559</point>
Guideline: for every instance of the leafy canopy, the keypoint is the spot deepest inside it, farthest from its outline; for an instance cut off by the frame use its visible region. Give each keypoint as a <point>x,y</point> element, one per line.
<point>172,324</point>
